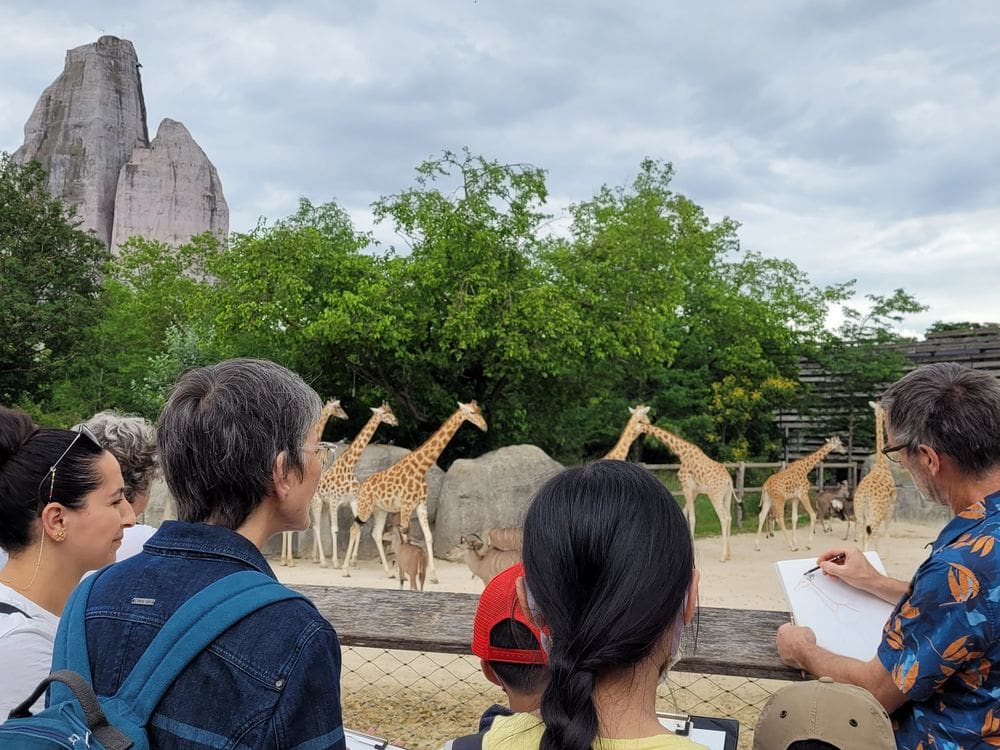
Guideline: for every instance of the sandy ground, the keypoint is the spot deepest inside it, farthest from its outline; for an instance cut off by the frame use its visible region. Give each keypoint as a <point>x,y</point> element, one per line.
<point>424,699</point>
<point>747,581</point>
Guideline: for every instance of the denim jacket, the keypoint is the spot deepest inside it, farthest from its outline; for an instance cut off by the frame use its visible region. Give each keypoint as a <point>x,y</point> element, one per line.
<point>270,681</point>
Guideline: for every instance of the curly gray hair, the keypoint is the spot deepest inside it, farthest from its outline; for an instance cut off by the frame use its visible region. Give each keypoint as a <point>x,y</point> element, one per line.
<point>132,440</point>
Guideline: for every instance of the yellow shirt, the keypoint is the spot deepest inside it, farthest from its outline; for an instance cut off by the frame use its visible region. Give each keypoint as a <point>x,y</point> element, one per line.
<point>524,732</point>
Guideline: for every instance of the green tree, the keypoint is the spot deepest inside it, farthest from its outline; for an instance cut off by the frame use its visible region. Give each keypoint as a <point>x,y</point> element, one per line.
<point>858,361</point>
<point>49,284</point>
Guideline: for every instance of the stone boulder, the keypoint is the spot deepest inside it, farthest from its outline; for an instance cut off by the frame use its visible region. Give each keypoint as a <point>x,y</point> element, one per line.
<point>169,192</point>
<point>85,126</point>
<point>492,490</point>
<point>161,506</point>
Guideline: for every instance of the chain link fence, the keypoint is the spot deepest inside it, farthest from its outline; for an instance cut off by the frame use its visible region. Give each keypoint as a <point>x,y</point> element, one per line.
<point>423,699</point>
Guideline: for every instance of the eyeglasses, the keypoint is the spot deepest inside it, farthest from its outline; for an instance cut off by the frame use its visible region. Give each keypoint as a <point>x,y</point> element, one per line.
<point>325,452</point>
<point>892,453</point>
<point>81,431</point>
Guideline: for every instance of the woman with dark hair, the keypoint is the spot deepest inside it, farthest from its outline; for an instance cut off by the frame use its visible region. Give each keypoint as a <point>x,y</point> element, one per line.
<point>62,513</point>
<point>610,578</point>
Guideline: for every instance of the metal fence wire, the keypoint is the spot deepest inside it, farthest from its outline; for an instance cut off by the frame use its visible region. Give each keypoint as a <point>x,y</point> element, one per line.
<point>423,699</point>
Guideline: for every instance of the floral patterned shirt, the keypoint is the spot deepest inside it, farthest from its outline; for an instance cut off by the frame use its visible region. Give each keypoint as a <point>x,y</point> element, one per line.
<point>942,643</point>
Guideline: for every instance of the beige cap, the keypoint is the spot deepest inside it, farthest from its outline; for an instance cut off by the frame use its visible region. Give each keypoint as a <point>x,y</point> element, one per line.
<point>845,716</point>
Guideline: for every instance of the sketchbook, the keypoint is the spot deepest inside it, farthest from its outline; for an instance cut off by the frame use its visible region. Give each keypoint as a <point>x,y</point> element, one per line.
<point>846,621</point>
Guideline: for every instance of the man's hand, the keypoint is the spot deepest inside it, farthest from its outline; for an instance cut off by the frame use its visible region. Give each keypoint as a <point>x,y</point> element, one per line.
<point>793,640</point>
<point>852,567</point>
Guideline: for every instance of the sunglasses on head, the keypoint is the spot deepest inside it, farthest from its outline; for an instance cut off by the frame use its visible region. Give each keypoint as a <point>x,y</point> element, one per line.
<point>81,431</point>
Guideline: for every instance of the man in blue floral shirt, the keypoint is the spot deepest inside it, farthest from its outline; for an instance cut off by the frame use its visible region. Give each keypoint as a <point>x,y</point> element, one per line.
<point>936,670</point>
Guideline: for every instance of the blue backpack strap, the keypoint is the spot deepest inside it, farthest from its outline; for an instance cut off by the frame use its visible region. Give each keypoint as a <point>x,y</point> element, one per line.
<point>70,648</point>
<point>191,629</point>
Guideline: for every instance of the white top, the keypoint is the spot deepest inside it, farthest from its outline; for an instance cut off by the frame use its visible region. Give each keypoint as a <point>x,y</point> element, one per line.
<point>26,642</point>
<point>132,541</point>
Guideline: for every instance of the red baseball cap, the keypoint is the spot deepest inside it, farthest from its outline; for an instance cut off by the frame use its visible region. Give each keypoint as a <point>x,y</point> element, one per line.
<point>498,603</point>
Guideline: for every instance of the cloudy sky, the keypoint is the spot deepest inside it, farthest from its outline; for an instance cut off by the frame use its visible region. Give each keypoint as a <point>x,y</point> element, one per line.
<point>856,137</point>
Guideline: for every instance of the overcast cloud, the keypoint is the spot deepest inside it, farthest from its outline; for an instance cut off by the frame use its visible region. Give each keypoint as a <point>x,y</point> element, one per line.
<point>857,138</point>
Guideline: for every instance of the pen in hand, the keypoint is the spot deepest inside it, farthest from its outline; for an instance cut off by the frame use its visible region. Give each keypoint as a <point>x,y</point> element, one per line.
<point>834,559</point>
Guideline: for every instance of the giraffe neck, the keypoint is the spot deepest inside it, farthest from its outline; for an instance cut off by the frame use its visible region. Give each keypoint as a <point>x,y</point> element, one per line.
<point>681,448</point>
<point>880,458</point>
<point>424,457</point>
<point>625,440</point>
<point>352,455</point>
<point>805,465</point>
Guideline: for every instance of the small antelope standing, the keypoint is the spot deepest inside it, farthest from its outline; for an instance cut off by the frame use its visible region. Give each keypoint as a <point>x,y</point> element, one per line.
<point>830,503</point>
<point>411,559</point>
<point>486,563</point>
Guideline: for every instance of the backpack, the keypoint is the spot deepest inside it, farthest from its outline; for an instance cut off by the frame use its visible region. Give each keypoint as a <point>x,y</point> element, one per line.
<point>77,718</point>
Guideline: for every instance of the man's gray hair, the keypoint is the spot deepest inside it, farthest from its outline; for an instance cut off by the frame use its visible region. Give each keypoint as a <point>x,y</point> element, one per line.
<point>221,431</point>
<point>951,408</point>
<point>132,440</point>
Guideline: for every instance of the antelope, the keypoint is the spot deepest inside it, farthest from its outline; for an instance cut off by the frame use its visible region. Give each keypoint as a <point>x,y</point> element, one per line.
<point>505,538</point>
<point>411,559</point>
<point>830,503</point>
<point>484,562</point>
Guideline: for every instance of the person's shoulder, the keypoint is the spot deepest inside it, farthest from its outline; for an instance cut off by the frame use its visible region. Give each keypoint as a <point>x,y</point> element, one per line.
<point>514,732</point>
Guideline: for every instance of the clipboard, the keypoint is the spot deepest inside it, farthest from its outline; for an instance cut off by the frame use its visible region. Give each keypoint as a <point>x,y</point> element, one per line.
<point>713,732</point>
<point>361,741</point>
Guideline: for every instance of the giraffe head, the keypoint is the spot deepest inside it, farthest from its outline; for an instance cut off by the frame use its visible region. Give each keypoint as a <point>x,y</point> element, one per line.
<point>835,445</point>
<point>640,415</point>
<point>471,413</point>
<point>332,408</point>
<point>384,413</point>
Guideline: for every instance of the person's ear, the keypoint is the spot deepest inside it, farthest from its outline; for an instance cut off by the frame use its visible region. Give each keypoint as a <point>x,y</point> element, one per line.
<point>279,476</point>
<point>488,673</point>
<point>522,600</point>
<point>929,458</point>
<point>692,597</point>
<point>54,521</point>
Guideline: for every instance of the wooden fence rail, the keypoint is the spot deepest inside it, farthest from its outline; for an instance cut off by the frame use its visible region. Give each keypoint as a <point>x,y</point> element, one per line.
<point>736,642</point>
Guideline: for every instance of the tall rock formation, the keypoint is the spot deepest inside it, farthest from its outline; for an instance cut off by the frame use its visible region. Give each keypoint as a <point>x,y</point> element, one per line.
<point>85,126</point>
<point>89,132</point>
<point>169,191</point>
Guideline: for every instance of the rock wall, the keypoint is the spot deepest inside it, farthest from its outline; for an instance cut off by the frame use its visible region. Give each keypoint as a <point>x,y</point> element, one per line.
<point>169,192</point>
<point>85,126</point>
<point>88,131</point>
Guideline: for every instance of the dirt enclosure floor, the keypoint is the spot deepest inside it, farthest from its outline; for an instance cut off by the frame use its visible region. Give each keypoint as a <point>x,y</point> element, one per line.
<point>425,699</point>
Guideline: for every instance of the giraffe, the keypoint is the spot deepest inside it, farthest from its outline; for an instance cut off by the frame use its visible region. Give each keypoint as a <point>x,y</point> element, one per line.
<point>640,415</point>
<point>699,475</point>
<point>875,495</point>
<point>331,408</point>
<point>402,488</point>
<point>793,482</point>
<point>340,483</point>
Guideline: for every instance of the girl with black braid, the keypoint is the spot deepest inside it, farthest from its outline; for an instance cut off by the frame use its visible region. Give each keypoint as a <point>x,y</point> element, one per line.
<point>610,578</point>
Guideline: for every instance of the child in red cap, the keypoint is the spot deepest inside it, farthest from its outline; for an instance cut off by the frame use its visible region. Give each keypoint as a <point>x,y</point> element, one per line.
<point>509,647</point>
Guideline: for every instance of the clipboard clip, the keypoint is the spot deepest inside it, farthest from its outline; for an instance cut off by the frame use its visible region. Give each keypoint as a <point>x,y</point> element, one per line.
<point>679,724</point>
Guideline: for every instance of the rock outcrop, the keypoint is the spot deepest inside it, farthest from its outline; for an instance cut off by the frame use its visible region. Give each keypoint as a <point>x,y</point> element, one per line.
<point>169,192</point>
<point>493,490</point>
<point>86,125</point>
<point>88,131</point>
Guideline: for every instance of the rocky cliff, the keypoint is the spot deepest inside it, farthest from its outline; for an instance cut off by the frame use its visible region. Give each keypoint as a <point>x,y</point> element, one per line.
<point>169,191</point>
<point>89,132</point>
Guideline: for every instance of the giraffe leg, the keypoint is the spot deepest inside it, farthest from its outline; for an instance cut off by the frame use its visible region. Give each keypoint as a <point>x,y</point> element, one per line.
<point>721,505</point>
<point>377,528</point>
<point>689,497</point>
<point>287,557</point>
<point>779,514</point>
<point>765,508</point>
<point>354,541</point>
<point>317,527</point>
<point>334,527</point>
<point>812,518</point>
<point>428,541</point>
